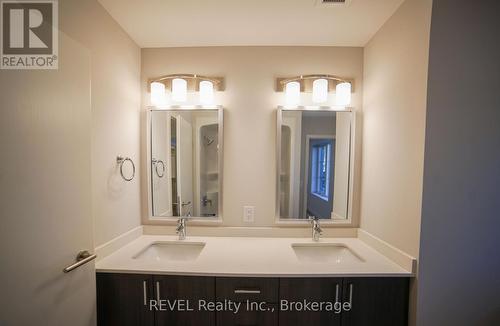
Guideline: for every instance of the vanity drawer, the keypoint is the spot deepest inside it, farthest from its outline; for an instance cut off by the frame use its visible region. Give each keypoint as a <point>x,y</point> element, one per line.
<point>243,289</point>
<point>246,317</point>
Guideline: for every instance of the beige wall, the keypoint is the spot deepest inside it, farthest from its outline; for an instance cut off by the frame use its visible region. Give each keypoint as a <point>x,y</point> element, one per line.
<point>115,86</point>
<point>394,104</point>
<point>394,107</point>
<point>250,115</point>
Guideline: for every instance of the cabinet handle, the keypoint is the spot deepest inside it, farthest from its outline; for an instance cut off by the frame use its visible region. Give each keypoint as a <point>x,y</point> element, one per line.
<point>336,293</point>
<point>351,290</point>
<point>158,291</point>
<point>243,291</point>
<point>145,293</point>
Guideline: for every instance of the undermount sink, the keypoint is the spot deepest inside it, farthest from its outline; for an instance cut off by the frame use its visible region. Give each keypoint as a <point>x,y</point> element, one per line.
<point>325,253</point>
<point>171,250</point>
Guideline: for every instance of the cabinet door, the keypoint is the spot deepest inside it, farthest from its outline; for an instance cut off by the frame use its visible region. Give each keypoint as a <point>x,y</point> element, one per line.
<point>301,290</point>
<point>181,296</point>
<point>249,317</point>
<point>376,301</point>
<point>122,299</point>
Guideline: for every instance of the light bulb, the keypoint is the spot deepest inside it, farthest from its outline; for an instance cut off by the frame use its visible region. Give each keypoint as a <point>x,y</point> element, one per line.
<point>157,94</point>
<point>320,90</point>
<point>292,93</point>
<point>206,92</point>
<point>179,90</point>
<point>343,94</point>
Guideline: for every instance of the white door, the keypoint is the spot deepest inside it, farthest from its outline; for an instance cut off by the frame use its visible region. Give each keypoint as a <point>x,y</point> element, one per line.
<point>160,163</point>
<point>185,165</point>
<point>45,193</point>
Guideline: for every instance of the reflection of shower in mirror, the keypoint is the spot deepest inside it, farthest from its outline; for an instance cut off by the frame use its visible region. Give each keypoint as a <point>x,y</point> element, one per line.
<point>187,141</point>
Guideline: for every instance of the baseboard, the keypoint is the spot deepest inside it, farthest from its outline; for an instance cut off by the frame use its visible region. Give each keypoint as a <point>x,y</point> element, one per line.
<point>118,242</point>
<point>398,256</point>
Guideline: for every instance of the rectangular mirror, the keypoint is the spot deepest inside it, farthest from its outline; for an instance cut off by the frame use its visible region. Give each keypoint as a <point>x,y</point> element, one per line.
<point>184,163</point>
<point>314,164</point>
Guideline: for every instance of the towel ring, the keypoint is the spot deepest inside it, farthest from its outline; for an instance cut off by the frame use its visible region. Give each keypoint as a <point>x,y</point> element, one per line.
<point>156,163</point>
<point>120,160</point>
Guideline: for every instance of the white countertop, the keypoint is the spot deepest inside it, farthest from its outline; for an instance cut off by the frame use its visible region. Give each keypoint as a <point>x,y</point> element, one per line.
<point>253,257</point>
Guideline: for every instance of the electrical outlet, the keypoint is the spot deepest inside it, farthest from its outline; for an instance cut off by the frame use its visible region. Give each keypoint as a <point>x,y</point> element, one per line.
<point>248,214</point>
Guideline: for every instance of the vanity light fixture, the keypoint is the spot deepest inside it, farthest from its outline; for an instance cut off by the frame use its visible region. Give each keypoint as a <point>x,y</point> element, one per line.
<point>343,94</point>
<point>157,94</point>
<point>320,90</point>
<point>206,92</point>
<point>319,86</point>
<point>292,93</point>
<point>178,87</point>
<point>179,90</point>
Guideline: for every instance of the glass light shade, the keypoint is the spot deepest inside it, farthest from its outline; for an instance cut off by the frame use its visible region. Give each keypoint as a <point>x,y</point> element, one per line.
<point>157,94</point>
<point>206,92</point>
<point>179,90</point>
<point>292,93</point>
<point>343,94</point>
<point>320,91</point>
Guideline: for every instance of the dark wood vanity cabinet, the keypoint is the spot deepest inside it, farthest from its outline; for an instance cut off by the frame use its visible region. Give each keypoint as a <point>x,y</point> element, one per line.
<point>185,292</point>
<point>296,292</point>
<point>376,301</point>
<point>122,299</point>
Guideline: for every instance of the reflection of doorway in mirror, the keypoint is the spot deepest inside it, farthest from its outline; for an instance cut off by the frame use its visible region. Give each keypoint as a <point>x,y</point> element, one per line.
<point>291,131</point>
<point>285,171</point>
<point>185,165</point>
<point>160,164</point>
<point>173,166</point>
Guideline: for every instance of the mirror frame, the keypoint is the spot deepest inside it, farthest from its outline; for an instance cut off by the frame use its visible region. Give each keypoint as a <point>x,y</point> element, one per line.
<point>195,220</point>
<point>349,221</point>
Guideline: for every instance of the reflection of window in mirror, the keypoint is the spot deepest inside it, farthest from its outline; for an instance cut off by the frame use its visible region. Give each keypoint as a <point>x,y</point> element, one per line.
<point>321,174</point>
<point>314,167</point>
<point>320,168</point>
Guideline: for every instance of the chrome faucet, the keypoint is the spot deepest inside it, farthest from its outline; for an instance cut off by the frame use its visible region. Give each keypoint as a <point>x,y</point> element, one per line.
<point>181,227</point>
<point>316,228</point>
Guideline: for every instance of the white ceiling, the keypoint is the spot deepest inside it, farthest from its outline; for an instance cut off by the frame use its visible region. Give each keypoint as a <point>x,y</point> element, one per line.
<point>177,23</point>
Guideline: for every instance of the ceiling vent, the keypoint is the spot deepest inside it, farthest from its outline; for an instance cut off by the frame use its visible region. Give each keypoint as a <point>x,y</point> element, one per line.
<point>333,3</point>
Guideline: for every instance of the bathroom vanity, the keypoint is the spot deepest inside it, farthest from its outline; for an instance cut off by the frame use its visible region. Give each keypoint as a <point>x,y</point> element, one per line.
<point>244,281</point>
<point>375,301</point>
<point>275,281</point>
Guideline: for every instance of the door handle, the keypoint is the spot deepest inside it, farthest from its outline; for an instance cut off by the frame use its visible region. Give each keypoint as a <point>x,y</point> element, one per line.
<point>82,258</point>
